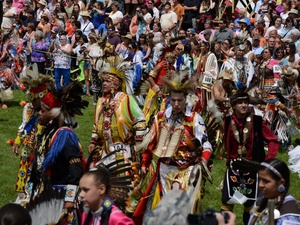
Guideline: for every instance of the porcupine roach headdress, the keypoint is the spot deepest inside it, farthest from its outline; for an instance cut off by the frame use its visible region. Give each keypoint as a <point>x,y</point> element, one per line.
<point>180,82</point>
<point>121,177</point>
<point>115,67</point>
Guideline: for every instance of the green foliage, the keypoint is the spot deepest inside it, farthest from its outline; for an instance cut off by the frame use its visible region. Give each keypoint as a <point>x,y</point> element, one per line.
<point>10,119</point>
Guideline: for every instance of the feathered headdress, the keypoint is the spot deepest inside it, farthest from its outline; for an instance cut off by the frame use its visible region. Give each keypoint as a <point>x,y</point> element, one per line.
<point>226,74</point>
<point>242,36</point>
<point>121,177</point>
<point>180,82</point>
<point>66,104</point>
<point>116,66</point>
<point>38,83</point>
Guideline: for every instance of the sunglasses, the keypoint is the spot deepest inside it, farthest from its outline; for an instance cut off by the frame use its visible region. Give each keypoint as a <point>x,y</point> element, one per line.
<point>179,49</point>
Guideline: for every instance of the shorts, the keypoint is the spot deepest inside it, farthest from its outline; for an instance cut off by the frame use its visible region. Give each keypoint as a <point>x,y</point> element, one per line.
<point>87,65</point>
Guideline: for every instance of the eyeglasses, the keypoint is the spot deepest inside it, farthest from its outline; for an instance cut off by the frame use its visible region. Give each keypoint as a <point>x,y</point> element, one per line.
<point>138,11</point>
<point>220,23</point>
<point>279,52</point>
<point>129,47</point>
<point>182,33</point>
<point>62,39</point>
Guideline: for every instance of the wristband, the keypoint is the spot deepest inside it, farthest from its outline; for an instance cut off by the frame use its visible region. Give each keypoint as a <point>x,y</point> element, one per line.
<point>71,193</point>
<point>155,88</point>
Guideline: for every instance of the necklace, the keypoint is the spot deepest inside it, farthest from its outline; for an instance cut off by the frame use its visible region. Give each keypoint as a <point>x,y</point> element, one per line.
<point>241,138</point>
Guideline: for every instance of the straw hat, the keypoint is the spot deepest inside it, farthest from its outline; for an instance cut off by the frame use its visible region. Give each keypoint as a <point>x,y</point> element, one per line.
<point>85,13</point>
<point>290,72</point>
<point>294,11</point>
<point>128,36</point>
<point>43,2</point>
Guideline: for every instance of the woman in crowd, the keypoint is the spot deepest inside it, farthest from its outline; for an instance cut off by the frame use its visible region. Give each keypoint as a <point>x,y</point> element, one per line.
<point>142,42</point>
<point>137,62</point>
<point>78,52</point>
<point>279,56</point>
<point>62,62</point>
<point>276,24</point>
<point>156,30</point>
<point>76,11</point>
<point>144,19</point>
<point>168,37</point>
<point>206,11</point>
<point>116,15</point>
<point>134,22</point>
<point>69,7</point>
<point>274,183</point>
<point>45,25</point>
<point>292,57</point>
<point>56,22</point>
<point>26,39</point>
<point>248,51</point>
<point>99,209</point>
<point>61,12</point>
<point>287,6</point>
<point>24,10</point>
<point>286,30</point>
<point>70,27</point>
<point>227,48</point>
<point>98,14</point>
<point>122,48</point>
<point>266,75</point>
<point>38,49</point>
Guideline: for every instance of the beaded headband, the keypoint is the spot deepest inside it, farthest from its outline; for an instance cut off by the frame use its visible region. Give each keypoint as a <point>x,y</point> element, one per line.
<point>272,169</point>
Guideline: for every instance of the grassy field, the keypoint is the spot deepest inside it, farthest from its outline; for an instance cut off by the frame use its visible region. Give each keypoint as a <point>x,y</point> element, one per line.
<point>10,120</point>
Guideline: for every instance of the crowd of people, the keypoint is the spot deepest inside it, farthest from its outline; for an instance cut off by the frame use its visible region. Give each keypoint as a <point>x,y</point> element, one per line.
<point>173,83</point>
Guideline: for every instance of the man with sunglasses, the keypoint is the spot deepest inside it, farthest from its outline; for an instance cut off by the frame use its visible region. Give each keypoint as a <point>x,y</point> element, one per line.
<point>224,32</point>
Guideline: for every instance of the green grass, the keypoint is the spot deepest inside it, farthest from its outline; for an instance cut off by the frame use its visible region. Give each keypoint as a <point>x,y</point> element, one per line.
<point>10,120</point>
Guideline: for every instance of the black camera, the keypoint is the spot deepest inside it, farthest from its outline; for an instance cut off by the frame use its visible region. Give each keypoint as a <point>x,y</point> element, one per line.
<point>207,217</point>
<point>140,17</point>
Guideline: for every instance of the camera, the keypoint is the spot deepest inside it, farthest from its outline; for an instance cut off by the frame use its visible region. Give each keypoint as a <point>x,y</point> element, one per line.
<point>207,217</point>
<point>140,17</point>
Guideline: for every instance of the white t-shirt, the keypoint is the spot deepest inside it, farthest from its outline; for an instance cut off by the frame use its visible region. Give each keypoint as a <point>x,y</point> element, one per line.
<point>292,64</point>
<point>8,22</point>
<point>116,15</point>
<point>167,19</point>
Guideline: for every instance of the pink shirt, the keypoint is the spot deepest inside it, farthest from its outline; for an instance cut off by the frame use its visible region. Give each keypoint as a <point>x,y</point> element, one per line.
<point>18,4</point>
<point>117,217</point>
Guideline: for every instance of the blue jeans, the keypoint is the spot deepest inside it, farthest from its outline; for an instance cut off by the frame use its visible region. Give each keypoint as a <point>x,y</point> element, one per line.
<point>58,73</point>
